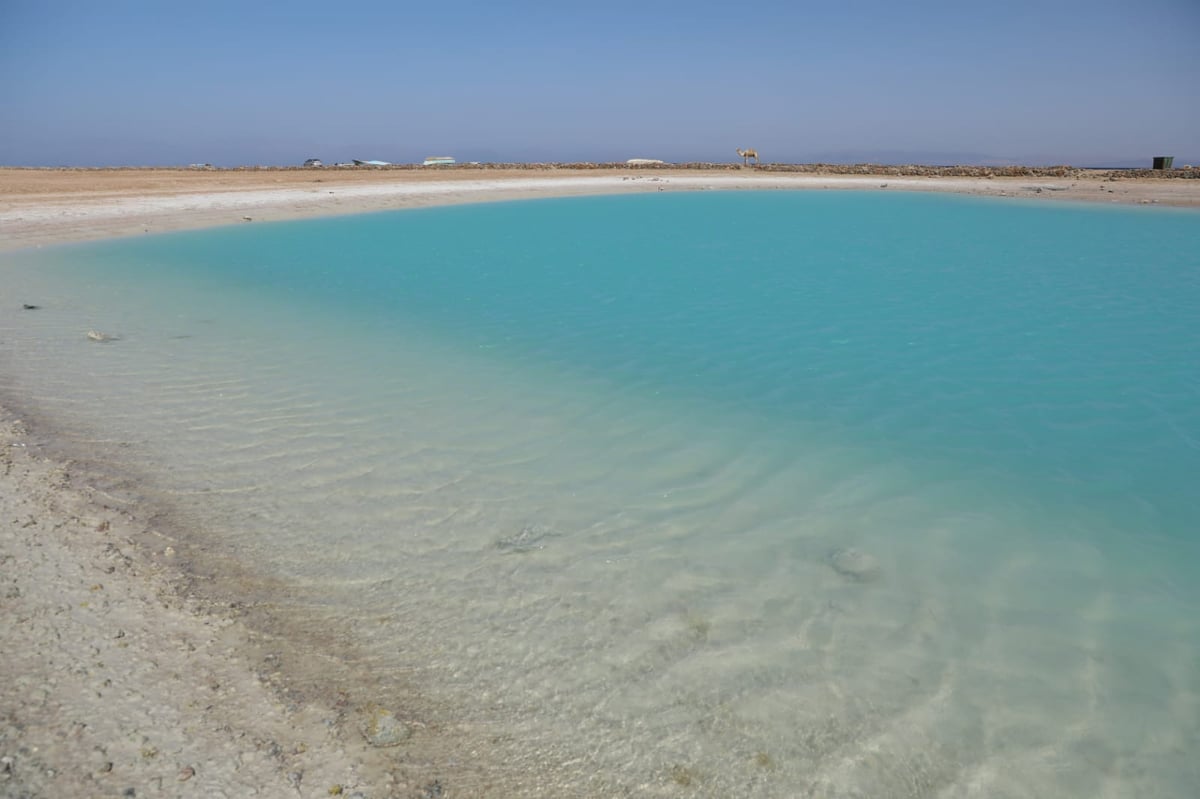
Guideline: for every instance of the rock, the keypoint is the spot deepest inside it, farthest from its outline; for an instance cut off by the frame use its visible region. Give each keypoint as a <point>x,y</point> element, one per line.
<point>382,728</point>
<point>186,773</point>
<point>104,338</point>
<point>855,564</point>
<point>530,538</point>
<point>26,306</point>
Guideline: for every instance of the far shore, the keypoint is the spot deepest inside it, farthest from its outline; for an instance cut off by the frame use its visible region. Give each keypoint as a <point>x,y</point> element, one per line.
<point>57,205</point>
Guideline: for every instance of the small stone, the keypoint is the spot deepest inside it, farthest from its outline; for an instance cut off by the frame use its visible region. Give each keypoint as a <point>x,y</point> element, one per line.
<point>29,307</point>
<point>103,338</point>
<point>382,728</point>
<point>529,539</point>
<point>855,564</point>
<point>294,778</point>
<point>247,218</point>
<point>186,773</point>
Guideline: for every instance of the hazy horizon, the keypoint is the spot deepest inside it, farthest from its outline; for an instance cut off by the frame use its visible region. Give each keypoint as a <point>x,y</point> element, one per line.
<point>142,83</point>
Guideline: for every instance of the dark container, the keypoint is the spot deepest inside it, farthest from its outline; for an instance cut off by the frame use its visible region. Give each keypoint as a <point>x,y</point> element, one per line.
<point>1163,161</point>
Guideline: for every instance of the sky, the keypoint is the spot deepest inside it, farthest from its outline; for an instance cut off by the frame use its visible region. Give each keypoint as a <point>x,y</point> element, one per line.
<point>159,82</point>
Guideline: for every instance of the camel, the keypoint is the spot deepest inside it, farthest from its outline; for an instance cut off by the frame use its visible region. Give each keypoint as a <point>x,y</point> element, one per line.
<point>747,155</point>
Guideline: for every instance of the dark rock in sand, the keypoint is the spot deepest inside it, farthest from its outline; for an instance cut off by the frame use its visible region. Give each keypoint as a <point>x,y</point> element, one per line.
<point>855,564</point>
<point>530,538</point>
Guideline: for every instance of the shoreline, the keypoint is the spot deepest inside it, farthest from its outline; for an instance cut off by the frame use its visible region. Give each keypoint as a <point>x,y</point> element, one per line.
<point>137,660</point>
<point>140,655</point>
<point>115,679</point>
<point>46,207</point>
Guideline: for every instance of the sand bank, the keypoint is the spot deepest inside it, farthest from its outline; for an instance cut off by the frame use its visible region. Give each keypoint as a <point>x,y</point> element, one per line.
<point>39,207</point>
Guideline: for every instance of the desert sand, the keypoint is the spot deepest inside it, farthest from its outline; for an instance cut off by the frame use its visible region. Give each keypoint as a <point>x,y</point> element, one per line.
<point>116,677</point>
<point>47,206</point>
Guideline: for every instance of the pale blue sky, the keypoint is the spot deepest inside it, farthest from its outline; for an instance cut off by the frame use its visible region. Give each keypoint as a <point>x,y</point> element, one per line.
<point>1086,82</point>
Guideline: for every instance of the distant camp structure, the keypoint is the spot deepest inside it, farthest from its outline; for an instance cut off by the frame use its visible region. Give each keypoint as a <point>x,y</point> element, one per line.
<point>371,163</point>
<point>643,161</point>
<point>439,160</point>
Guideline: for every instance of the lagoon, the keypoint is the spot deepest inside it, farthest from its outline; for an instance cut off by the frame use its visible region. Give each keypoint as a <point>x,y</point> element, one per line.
<point>725,493</point>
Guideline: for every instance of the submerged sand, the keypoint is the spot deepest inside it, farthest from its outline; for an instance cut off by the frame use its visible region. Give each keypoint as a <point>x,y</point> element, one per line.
<point>123,673</point>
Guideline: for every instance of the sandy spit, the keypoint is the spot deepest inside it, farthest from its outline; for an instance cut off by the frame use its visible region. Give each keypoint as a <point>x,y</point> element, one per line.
<point>39,207</point>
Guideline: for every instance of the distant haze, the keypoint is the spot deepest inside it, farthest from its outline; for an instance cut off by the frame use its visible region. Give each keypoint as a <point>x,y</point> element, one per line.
<point>1088,83</point>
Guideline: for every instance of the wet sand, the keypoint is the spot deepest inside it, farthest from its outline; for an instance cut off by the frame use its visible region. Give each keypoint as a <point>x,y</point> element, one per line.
<point>126,665</point>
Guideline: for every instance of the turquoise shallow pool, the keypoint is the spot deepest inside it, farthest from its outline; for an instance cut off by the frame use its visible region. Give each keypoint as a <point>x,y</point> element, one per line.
<point>755,494</point>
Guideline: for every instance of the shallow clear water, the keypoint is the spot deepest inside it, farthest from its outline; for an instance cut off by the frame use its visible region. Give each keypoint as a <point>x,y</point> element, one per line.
<point>586,471</point>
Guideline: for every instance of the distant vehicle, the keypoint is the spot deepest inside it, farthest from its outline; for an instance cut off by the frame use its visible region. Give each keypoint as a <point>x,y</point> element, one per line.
<point>439,160</point>
<point>371,163</point>
<point>313,162</point>
<point>200,166</point>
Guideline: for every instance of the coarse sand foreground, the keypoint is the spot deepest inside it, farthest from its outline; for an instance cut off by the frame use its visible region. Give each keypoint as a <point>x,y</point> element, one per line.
<point>115,682</point>
<point>129,667</point>
<point>39,207</point>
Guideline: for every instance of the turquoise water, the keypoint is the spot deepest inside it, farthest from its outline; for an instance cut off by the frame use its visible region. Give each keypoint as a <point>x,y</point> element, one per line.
<point>591,468</point>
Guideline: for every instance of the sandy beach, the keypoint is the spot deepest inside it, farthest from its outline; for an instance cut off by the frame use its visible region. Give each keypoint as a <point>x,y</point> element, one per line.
<point>47,206</point>
<point>121,674</point>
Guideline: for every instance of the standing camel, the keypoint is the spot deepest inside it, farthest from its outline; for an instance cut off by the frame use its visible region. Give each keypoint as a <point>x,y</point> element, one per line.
<point>747,155</point>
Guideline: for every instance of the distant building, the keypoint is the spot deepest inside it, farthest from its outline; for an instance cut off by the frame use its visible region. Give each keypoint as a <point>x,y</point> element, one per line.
<point>439,160</point>
<point>313,162</point>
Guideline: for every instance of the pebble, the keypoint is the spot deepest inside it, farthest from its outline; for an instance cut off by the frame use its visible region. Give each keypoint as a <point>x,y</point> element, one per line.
<point>382,728</point>
<point>529,539</point>
<point>855,564</point>
<point>186,773</point>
